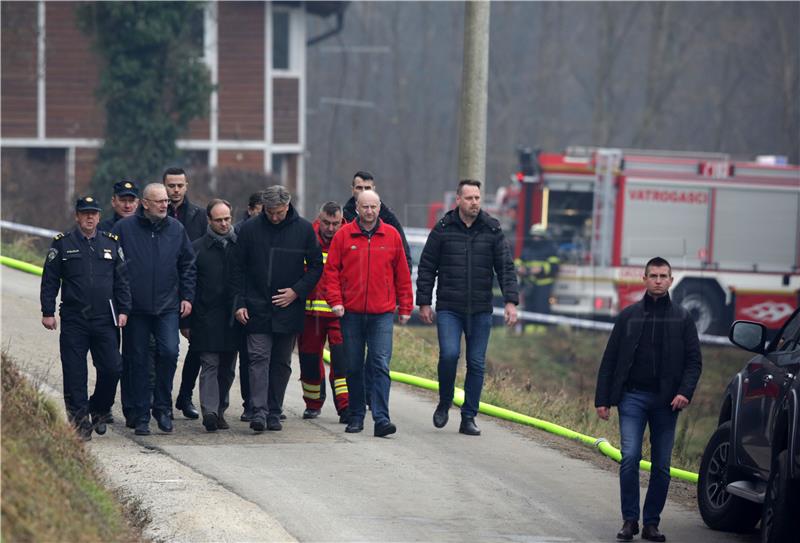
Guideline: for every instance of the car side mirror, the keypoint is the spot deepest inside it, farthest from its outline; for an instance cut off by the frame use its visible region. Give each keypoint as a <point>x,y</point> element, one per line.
<point>750,336</point>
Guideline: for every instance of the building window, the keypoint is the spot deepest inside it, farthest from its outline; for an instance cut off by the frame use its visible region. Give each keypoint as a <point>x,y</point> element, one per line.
<point>277,166</point>
<point>280,40</point>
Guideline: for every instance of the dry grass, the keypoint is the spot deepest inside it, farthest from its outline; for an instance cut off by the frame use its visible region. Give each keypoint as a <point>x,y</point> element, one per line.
<point>51,487</point>
<point>551,376</point>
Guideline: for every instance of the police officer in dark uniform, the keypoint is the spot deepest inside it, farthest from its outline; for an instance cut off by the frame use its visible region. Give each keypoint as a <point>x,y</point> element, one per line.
<point>124,203</point>
<point>88,266</point>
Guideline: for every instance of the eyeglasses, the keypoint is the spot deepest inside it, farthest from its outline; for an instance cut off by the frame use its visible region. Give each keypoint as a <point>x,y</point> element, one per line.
<point>165,201</point>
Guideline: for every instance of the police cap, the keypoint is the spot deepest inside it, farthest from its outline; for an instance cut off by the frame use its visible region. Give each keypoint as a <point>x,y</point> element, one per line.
<point>87,203</point>
<point>126,188</point>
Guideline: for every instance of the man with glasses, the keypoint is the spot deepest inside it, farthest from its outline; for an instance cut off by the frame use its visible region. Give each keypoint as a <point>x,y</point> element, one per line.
<point>210,328</point>
<point>276,264</point>
<point>161,263</point>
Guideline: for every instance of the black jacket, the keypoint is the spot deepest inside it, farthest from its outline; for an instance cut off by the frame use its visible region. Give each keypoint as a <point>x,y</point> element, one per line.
<point>212,325</point>
<point>681,361</point>
<point>106,225</point>
<point>386,215</point>
<point>269,257</point>
<point>88,275</point>
<point>465,261</point>
<point>192,217</point>
<point>160,262</point>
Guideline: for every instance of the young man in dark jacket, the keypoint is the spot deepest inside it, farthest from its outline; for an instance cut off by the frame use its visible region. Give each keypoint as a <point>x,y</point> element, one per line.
<point>193,219</point>
<point>464,251</point>
<point>213,336</point>
<point>650,370</point>
<point>160,262</point>
<point>277,263</point>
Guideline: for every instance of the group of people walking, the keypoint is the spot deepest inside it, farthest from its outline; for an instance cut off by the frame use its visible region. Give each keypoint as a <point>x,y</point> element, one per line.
<point>163,266</point>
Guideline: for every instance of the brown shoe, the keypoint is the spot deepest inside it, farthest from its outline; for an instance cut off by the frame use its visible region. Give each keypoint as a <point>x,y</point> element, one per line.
<point>651,533</point>
<point>629,529</point>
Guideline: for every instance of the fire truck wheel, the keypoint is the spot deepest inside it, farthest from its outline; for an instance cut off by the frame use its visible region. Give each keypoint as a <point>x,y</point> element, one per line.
<point>705,307</point>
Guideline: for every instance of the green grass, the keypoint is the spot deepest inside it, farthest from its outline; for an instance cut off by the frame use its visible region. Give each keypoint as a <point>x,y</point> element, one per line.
<point>52,490</point>
<point>27,249</point>
<point>551,375</point>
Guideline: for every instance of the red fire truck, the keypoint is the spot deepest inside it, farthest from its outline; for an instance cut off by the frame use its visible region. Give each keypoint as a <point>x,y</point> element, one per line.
<point>730,229</point>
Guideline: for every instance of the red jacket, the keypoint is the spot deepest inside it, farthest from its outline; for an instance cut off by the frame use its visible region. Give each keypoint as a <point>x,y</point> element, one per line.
<point>315,303</point>
<point>368,275</point>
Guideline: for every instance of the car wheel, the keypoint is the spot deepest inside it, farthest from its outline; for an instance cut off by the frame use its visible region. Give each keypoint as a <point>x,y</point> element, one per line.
<point>720,510</point>
<point>705,307</point>
<point>779,520</point>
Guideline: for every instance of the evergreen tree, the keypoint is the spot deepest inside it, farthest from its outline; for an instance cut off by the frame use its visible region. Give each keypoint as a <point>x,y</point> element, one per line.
<point>152,82</point>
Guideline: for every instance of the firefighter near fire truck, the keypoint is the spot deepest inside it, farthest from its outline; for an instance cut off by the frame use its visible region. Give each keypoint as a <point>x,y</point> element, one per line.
<point>537,267</point>
<point>322,325</point>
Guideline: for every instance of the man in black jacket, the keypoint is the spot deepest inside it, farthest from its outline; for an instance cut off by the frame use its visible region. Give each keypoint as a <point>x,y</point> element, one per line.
<point>160,261</point>
<point>464,251</point>
<point>277,262</point>
<point>363,180</point>
<point>650,370</point>
<point>124,202</point>
<point>210,328</point>
<point>88,267</point>
<point>193,219</point>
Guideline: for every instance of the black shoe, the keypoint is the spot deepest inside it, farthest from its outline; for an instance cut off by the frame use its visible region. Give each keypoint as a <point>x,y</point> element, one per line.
<point>164,422</point>
<point>384,429</point>
<point>142,429</point>
<point>354,426</point>
<point>109,418</point>
<point>629,529</point>
<point>258,425</point>
<point>99,424</point>
<point>344,417</point>
<point>130,423</point>
<point>222,424</point>
<point>468,427</point>
<point>441,415</point>
<point>651,533</point>
<point>311,413</point>
<point>247,415</point>
<point>210,421</point>
<point>188,409</point>
<point>282,416</point>
<point>274,424</point>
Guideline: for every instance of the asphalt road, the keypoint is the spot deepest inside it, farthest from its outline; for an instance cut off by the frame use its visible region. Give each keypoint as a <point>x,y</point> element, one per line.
<point>319,484</point>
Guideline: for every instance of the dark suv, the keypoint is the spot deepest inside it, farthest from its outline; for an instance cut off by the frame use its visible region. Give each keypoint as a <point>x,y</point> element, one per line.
<point>750,469</point>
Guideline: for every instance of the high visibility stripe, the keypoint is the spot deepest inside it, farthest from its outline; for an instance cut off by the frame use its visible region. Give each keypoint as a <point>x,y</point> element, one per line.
<point>554,260</point>
<point>309,386</point>
<point>542,282</point>
<point>311,395</point>
<point>324,259</point>
<point>339,386</point>
<point>318,305</point>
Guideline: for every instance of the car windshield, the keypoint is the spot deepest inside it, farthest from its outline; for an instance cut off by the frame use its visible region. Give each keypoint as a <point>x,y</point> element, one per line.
<point>790,335</point>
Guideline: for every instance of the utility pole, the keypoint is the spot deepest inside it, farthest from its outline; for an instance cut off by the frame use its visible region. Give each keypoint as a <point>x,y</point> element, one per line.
<point>474,92</point>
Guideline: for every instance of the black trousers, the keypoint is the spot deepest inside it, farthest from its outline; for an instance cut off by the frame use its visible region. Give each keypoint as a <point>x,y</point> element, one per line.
<point>80,336</point>
<point>191,369</point>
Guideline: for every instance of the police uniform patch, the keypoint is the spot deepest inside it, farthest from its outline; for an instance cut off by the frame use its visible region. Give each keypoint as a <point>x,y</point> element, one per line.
<point>52,254</point>
<point>120,253</point>
<point>107,254</point>
<point>58,236</point>
<point>115,237</point>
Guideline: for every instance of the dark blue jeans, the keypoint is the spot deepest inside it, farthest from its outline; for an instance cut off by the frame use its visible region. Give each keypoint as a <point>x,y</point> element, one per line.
<point>362,332</point>
<point>135,339</point>
<point>637,408</point>
<point>476,329</point>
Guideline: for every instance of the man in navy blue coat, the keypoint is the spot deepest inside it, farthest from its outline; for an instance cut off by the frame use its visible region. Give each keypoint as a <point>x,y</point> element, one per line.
<point>161,264</point>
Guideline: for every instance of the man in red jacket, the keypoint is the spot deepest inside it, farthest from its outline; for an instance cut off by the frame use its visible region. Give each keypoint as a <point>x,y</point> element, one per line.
<point>320,325</point>
<point>365,279</point>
